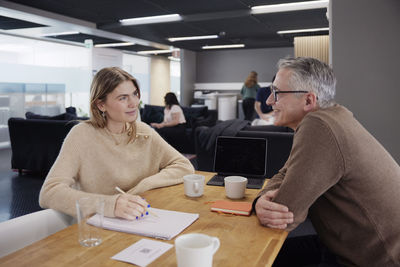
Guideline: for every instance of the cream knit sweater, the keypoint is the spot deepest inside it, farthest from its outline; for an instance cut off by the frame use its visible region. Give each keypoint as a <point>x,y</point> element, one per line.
<point>92,162</point>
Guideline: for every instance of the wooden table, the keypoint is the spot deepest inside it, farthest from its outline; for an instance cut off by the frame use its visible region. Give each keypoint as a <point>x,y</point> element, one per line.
<point>244,242</point>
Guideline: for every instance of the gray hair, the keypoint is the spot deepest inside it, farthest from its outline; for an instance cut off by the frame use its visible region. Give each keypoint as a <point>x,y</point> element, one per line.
<point>310,74</point>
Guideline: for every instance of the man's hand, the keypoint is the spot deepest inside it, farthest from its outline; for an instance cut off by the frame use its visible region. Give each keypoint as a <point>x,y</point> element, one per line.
<point>130,207</point>
<point>272,214</point>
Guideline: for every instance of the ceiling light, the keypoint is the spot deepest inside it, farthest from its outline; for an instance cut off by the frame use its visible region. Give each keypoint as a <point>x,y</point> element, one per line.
<point>176,39</point>
<point>59,33</point>
<point>222,46</point>
<point>174,59</point>
<point>114,44</point>
<point>151,19</point>
<point>155,52</point>
<point>303,30</point>
<point>289,7</point>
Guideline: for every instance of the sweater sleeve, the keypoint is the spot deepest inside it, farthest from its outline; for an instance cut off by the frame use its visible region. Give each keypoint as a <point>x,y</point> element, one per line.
<point>315,164</point>
<point>60,189</point>
<point>275,182</point>
<point>172,166</point>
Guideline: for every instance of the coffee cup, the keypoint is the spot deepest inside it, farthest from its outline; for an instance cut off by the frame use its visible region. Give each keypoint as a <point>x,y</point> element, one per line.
<point>194,185</point>
<point>235,186</point>
<point>195,250</point>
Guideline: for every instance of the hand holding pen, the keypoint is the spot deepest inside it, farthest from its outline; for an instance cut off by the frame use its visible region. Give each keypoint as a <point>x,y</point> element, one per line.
<point>131,207</point>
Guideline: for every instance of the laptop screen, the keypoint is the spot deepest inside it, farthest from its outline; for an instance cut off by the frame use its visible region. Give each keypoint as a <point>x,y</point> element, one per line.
<point>240,156</point>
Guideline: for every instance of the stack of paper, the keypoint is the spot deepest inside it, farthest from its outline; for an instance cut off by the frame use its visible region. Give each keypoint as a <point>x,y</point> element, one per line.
<point>166,226</point>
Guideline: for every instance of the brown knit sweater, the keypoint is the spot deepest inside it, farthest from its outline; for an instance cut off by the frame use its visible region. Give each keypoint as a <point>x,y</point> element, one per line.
<point>348,184</point>
<point>92,162</point>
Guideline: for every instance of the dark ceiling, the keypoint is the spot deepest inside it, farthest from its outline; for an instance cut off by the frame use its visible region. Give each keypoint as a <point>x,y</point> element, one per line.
<point>230,19</point>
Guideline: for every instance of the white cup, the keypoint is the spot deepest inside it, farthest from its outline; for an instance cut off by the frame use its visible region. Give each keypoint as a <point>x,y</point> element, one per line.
<point>89,235</point>
<point>195,250</point>
<point>235,186</point>
<point>194,185</point>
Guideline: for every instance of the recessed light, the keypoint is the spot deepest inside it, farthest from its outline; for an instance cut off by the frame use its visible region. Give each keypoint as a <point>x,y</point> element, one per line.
<point>58,34</point>
<point>151,19</point>
<point>155,52</point>
<point>176,39</point>
<point>289,7</point>
<point>303,30</point>
<point>222,46</point>
<point>114,44</point>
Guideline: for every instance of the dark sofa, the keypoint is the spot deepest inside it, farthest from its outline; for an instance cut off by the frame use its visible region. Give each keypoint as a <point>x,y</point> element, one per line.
<point>279,144</point>
<point>36,140</point>
<point>195,117</point>
<point>35,143</point>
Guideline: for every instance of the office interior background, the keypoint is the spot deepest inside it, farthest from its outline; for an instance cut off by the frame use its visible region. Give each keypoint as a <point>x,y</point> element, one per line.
<point>363,51</point>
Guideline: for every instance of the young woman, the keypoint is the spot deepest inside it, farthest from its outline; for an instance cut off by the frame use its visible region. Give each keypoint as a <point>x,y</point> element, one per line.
<point>174,120</point>
<point>249,92</point>
<point>112,149</point>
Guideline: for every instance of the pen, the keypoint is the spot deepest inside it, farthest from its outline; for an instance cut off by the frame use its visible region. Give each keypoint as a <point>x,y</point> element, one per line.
<point>122,192</point>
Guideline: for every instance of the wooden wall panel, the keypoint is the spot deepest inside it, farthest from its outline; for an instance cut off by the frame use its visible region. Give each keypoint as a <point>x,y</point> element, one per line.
<point>312,46</point>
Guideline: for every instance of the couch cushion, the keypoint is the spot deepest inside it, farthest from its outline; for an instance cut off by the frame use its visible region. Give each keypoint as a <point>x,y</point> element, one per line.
<point>194,114</point>
<point>152,113</point>
<point>62,117</point>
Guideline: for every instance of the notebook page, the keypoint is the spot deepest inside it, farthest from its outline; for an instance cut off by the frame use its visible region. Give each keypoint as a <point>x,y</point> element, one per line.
<point>167,226</point>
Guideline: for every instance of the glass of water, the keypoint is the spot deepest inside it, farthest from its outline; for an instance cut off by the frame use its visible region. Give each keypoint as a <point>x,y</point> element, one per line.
<point>90,214</point>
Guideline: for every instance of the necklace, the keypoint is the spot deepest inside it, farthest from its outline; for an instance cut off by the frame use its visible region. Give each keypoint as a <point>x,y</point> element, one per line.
<point>128,129</point>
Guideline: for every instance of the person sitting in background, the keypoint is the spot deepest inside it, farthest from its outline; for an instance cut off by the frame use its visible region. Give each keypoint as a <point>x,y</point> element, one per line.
<point>337,173</point>
<point>174,120</point>
<point>263,110</point>
<point>249,92</point>
<point>112,149</point>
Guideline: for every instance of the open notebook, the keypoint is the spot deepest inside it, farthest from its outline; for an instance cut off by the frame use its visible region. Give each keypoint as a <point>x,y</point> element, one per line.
<point>167,226</point>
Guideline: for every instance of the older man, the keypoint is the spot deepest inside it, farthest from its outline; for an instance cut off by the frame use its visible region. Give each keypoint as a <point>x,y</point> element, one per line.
<point>337,174</point>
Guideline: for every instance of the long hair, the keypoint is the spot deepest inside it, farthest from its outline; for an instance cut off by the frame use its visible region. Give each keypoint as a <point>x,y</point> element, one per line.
<point>310,74</point>
<point>104,82</point>
<point>170,100</point>
<point>251,80</point>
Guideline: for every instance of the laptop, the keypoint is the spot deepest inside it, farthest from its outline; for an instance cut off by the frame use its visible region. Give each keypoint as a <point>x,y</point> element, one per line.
<point>242,156</point>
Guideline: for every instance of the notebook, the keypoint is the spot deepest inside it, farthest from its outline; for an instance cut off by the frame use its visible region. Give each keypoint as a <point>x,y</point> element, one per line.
<point>243,156</point>
<point>168,224</point>
<point>238,207</point>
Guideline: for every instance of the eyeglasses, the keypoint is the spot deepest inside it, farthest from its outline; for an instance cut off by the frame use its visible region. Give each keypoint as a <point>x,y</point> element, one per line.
<point>275,92</point>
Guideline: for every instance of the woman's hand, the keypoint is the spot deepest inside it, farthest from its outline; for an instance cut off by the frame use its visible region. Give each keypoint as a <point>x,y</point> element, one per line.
<point>157,125</point>
<point>130,207</point>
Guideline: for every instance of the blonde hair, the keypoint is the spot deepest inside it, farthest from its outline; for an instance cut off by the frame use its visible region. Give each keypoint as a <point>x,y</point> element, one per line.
<point>104,82</point>
<point>251,80</point>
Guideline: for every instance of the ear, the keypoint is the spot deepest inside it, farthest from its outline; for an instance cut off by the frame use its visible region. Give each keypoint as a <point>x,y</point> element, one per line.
<point>311,102</point>
<point>100,105</point>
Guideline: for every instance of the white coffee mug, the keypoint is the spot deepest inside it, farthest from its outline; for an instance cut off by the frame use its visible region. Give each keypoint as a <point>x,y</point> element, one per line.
<point>194,185</point>
<point>195,250</point>
<point>235,186</point>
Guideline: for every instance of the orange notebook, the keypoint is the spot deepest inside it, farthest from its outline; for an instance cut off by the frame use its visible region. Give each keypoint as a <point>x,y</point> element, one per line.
<point>238,208</point>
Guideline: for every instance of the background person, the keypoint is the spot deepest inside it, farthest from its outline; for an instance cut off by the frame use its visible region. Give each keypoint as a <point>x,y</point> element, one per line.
<point>249,92</point>
<point>112,149</point>
<point>174,123</point>
<point>263,110</point>
<point>337,173</point>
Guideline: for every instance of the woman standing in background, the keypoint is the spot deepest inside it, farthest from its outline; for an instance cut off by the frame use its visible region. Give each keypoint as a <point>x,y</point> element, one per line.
<point>249,92</point>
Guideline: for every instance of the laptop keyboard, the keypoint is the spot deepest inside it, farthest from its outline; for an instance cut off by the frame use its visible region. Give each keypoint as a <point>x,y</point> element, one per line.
<point>253,183</point>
